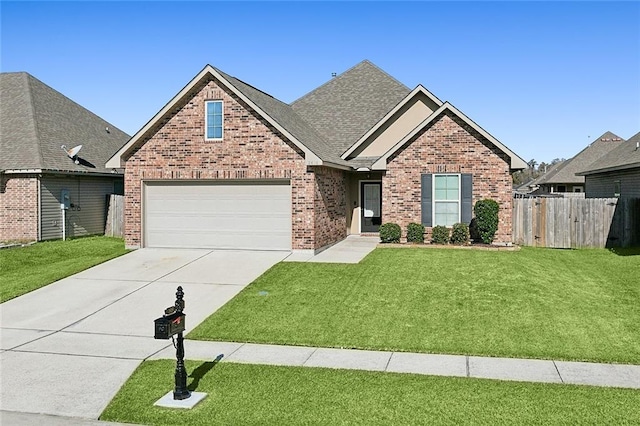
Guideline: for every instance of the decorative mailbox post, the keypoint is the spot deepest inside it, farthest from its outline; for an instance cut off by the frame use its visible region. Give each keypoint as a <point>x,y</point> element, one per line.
<point>171,323</point>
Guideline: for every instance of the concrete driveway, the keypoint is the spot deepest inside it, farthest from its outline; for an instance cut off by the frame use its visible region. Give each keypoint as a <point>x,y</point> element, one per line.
<point>68,347</point>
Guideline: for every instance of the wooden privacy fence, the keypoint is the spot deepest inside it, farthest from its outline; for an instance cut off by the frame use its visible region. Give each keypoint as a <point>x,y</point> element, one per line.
<point>114,227</point>
<point>576,223</point>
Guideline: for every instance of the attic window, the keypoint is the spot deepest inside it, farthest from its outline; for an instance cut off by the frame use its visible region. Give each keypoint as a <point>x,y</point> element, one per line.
<point>213,119</point>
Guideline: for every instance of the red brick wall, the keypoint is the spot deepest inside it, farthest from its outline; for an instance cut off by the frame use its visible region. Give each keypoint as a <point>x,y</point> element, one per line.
<point>251,149</point>
<point>330,206</point>
<point>18,208</point>
<point>448,145</point>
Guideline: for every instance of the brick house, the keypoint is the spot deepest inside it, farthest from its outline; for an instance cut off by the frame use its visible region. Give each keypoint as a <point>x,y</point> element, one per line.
<point>226,165</point>
<point>35,173</point>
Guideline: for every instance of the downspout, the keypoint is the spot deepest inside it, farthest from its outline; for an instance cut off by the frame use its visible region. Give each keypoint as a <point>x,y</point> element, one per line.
<point>39,191</point>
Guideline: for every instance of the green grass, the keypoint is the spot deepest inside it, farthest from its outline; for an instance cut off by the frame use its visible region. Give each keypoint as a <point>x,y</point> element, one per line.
<point>28,268</point>
<point>531,303</point>
<point>269,395</point>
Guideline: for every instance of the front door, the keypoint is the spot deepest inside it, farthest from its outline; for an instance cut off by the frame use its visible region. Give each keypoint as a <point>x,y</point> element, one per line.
<point>371,202</point>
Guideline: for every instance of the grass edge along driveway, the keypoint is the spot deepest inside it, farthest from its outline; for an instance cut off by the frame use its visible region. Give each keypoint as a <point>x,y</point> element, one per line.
<point>24,269</point>
<point>261,394</point>
<point>577,305</point>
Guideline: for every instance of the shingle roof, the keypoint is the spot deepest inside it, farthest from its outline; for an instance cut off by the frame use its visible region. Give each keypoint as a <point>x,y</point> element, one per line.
<point>323,124</point>
<point>35,120</point>
<point>551,170</point>
<point>287,118</point>
<point>566,173</point>
<point>625,156</point>
<point>345,107</point>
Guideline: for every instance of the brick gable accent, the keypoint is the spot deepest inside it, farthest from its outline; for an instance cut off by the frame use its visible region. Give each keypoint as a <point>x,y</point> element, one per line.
<point>19,208</point>
<point>251,149</point>
<point>447,145</point>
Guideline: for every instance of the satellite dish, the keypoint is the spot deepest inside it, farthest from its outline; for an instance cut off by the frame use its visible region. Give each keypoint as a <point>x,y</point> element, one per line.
<point>73,152</point>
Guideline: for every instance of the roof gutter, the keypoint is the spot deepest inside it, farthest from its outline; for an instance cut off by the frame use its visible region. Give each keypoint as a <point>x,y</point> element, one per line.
<point>609,169</point>
<point>60,172</point>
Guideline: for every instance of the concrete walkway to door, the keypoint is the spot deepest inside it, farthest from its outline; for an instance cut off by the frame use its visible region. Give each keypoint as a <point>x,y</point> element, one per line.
<point>352,249</point>
<point>68,347</point>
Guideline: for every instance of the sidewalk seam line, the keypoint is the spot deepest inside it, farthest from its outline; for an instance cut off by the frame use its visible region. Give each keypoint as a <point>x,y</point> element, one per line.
<point>388,361</point>
<point>558,371</point>
<point>309,357</point>
<point>467,366</point>
<point>34,340</point>
<point>236,349</point>
<point>80,355</point>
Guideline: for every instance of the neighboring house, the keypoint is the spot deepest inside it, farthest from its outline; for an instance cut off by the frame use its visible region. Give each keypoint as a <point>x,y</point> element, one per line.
<point>36,173</point>
<point>617,174</point>
<point>224,164</point>
<point>562,177</point>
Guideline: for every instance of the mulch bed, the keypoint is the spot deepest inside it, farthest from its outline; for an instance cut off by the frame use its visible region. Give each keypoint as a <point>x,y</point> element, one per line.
<point>474,246</point>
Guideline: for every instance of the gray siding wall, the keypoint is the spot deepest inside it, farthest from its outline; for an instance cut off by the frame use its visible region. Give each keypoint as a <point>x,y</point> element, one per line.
<point>602,185</point>
<point>88,196</point>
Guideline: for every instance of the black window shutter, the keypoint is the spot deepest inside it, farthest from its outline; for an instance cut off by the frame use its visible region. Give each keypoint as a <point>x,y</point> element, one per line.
<point>466,208</point>
<point>425,184</point>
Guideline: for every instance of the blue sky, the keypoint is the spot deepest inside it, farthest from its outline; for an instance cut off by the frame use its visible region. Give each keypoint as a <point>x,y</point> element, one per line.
<point>545,78</point>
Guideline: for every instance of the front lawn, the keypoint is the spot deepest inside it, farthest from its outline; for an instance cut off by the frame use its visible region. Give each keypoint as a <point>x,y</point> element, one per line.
<point>25,269</point>
<point>531,303</point>
<point>270,395</point>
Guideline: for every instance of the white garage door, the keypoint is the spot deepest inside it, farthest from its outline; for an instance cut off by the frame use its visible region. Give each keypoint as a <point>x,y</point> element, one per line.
<point>238,215</point>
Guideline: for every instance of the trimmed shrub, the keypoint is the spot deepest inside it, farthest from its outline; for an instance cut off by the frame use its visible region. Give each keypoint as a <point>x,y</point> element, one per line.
<point>486,220</point>
<point>415,233</point>
<point>460,234</point>
<point>390,233</point>
<point>440,234</point>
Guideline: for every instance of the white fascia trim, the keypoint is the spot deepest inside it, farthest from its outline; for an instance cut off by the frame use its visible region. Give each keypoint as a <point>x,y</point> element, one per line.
<point>116,162</point>
<point>403,102</point>
<point>21,171</point>
<point>516,161</point>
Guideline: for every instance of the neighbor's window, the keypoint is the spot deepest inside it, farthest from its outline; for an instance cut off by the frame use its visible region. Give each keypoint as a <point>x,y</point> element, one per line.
<point>446,200</point>
<point>213,121</point>
<point>616,188</point>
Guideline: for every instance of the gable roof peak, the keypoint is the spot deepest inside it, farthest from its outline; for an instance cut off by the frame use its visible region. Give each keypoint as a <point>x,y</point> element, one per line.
<point>346,106</point>
<point>361,66</point>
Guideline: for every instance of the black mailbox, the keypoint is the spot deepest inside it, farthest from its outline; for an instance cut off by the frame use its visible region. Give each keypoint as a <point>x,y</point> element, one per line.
<point>169,325</point>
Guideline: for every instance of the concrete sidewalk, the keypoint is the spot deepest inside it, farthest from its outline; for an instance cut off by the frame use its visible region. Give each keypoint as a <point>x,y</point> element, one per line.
<point>524,370</point>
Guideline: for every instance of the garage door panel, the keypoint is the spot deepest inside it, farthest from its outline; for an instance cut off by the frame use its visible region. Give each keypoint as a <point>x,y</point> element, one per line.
<point>245,216</point>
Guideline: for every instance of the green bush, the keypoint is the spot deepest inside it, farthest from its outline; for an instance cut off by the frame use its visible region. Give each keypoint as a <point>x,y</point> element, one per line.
<point>415,233</point>
<point>440,235</point>
<point>486,220</point>
<point>390,233</point>
<point>460,234</point>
